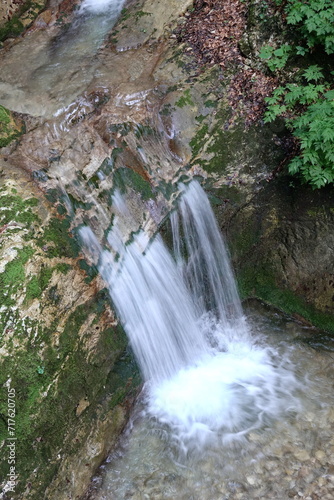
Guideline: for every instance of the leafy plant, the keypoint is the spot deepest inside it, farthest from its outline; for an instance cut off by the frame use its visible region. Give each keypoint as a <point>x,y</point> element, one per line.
<point>315,21</point>
<point>315,131</point>
<point>284,99</point>
<point>314,127</point>
<point>276,58</point>
<point>308,101</point>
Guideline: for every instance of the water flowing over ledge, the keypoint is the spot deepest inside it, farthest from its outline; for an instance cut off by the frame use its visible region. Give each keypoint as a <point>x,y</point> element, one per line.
<point>102,7</point>
<point>207,377</point>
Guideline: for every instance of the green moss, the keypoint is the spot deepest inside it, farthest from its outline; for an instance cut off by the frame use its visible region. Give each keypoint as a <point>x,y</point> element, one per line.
<point>224,146</point>
<point>11,28</point>
<point>198,141</point>
<point>37,284</point>
<point>166,110</point>
<point>58,234</point>
<point>28,384</point>
<point>9,129</point>
<point>144,131</point>
<point>49,379</point>
<point>141,13</point>
<point>62,268</point>
<point>107,166</point>
<point>47,424</point>
<point>16,209</point>
<point>167,189</point>
<point>258,282</point>
<point>52,195</point>
<point>75,204</point>
<point>45,276</point>
<point>125,368</point>
<point>121,128</point>
<point>91,271</point>
<point>5,115</point>
<point>200,118</point>
<point>211,104</point>
<point>125,14</point>
<point>185,100</point>
<point>13,277</point>
<point>33,289</point>
<point>115,153</point>
<point>125,178</point>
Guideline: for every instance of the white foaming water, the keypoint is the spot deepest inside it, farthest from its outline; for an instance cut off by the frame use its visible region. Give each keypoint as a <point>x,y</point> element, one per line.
<point>225,396</point>
<point>101,6</point>
<point>207,377</point>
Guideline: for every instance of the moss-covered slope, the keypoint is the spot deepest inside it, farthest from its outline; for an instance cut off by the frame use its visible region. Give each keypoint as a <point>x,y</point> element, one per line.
<point>62,352</point>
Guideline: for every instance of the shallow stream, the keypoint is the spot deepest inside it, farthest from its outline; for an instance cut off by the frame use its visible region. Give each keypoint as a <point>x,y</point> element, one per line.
<point>289,457</point>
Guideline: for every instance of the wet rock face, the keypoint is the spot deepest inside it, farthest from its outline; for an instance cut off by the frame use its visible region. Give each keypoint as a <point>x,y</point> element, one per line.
<point>283,245</point>
<point>62,351</point>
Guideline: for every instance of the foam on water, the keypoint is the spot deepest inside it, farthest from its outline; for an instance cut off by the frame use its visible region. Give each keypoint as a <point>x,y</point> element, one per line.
<point>101,6</point>
<point>224,397</point>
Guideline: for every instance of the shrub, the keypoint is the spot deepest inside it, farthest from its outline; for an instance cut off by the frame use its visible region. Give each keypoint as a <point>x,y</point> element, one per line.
<point>315,20</point>
<point>315,130</point>
<point>307,102</point>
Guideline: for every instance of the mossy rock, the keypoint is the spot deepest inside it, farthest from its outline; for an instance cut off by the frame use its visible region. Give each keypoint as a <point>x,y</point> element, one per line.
<point>62,351</point>
<point>10,128</point>
<point>281,243</point>
<point>22,18</point>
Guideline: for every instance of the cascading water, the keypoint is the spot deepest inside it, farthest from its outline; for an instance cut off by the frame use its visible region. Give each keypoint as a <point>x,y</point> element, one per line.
<point>85,34</point>
<point>207,377</point>
<point>71,55</point>
<point>206,270</point>
<point>102,6</point>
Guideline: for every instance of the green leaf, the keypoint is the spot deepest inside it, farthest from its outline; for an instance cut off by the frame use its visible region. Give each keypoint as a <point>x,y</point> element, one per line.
<point>266,52</point>
<point>328,134</point>
<point>313,72</point>
<point>301,51</point>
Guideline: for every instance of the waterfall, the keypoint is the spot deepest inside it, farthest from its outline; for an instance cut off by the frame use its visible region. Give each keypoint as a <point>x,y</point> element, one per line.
<point>156,310</point>
<point>207,269</point>
<point>101,7</point>
<point>206,376</point>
